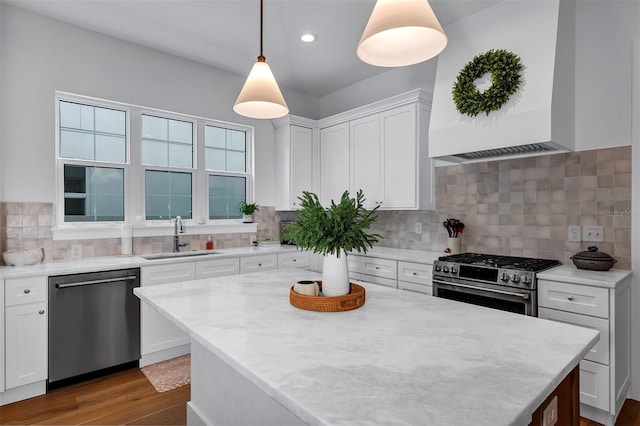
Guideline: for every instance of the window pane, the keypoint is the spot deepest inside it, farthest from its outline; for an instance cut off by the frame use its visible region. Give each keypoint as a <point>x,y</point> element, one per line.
<point>154,153</point>
<point>237,140</point>
<point>215,137</point>
<point>180,131</point>
<point>76,145</point>
<point>225,195</point>
<point>180,155</point>
<point>80,140</point>
<point>110,148</point>
<point>236,161</point>
<point>167,195</point>
<point>93,194</point>
<point>110,121</point>
<point>154,128</point>
<point>214,159</point>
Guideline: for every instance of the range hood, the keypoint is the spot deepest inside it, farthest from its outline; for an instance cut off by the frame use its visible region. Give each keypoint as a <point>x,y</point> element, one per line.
<point>539,117</point>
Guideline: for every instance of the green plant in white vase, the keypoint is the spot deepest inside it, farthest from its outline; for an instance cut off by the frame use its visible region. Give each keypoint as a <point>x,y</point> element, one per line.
<point>333,232</point>
<point>247,211</point>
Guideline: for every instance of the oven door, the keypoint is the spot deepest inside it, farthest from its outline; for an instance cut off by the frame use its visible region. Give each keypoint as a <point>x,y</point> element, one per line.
<point>507,299</point>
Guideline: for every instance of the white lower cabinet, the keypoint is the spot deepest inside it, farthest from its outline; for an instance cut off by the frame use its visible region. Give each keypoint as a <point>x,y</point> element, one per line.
<point>266,262</point>
<point>605,372</point>
<point>374,270</point>
<point>158,333</point>
<point>415,277</point>
<point>298,259</point>
<point>217,268</point>
<point>25,331</point>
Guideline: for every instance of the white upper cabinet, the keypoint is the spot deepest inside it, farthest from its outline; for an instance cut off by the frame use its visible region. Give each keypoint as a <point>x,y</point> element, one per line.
<point>334,162</point>
<point>367,159</point>
<point>295,166</point>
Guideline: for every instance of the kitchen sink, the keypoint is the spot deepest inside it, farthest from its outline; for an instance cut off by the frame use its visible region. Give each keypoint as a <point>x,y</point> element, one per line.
<point>179,254</point>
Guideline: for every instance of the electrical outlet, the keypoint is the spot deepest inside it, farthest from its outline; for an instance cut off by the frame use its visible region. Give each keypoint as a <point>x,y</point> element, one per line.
<point>254,240</point>
<point>593,234</point>
<point>76,251</point>
<point>573,233</point>
<point>550,413</point>
<point>418,228</point>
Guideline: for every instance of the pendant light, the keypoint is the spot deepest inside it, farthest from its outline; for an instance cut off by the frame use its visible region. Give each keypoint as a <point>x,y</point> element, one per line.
<point>260,96</point>
<point>401,32</point>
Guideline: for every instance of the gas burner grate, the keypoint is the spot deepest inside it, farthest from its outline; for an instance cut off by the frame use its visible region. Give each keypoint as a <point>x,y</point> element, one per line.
<point>497,261</point>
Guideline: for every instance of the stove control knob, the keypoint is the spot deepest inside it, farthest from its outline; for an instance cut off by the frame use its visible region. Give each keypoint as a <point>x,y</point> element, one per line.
<point>515,278</point>
<point>437,268</point>
<point>504,277</point>
<point>454,270</point>
<point>445,268</point>
<point>526,280</point>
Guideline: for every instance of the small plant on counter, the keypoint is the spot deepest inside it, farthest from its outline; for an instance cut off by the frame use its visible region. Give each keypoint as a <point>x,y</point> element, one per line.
<point>340,227</point>
<point>248,209</point>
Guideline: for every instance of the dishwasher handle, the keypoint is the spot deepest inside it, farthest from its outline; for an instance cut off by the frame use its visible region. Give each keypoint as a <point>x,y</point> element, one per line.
<point>91,282</point>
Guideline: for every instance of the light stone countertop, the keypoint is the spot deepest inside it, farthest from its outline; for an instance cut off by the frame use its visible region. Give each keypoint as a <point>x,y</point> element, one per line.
<point>402,358</point>
<point>571,274</point>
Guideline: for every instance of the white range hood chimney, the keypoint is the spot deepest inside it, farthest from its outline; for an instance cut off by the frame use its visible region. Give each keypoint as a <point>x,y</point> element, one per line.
<point>539,117</point>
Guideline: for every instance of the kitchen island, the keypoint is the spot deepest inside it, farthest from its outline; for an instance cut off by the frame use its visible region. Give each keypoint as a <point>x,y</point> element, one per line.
<point>402,358</point>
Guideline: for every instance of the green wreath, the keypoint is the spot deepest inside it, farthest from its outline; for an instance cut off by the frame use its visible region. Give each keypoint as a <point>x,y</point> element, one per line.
<point>504,68</point>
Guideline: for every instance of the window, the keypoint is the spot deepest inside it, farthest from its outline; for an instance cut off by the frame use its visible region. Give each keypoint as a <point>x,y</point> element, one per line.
<point>89,134</point>
<point>226,159</point>
<point>125,163</point>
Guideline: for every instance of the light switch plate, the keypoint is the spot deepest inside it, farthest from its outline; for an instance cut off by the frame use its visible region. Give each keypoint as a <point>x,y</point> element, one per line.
<point>76,251</point>
<point>418,228</point>
<point>573,233</point>
<point>593,234</point>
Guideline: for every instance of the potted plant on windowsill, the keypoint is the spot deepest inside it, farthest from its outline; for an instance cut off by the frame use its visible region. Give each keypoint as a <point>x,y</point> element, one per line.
<point>333,232</point>
<point>247,211</point>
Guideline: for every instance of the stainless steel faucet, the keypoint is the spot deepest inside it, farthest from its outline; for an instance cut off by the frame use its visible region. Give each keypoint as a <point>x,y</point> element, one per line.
<point>178,228</point>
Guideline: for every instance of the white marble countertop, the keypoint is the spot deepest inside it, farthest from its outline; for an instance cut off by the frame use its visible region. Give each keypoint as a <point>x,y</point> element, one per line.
<point>571,274</point>
<point>402,358</point>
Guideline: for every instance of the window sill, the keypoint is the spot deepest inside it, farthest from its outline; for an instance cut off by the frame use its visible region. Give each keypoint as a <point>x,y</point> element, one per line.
<point>151,230</point>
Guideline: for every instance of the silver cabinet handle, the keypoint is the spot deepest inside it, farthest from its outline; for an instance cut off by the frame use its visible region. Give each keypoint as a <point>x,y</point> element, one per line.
<point>259,264</point>
<point>415,273</point>
<point>295,260</point>
<point>41,311</point>
<point>27,291</point>
<point>570,298</point>
<point>104,281</point>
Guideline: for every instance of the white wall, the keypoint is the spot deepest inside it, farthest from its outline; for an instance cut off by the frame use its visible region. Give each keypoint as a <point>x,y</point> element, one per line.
<point>40,55</point>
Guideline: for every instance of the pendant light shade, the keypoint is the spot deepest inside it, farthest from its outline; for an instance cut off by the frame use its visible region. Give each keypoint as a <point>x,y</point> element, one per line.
<point>401,32</point>
<point>260,96</point>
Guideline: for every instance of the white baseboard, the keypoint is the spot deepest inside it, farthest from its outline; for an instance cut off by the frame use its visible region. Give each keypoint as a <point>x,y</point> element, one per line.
<point>164,355</point>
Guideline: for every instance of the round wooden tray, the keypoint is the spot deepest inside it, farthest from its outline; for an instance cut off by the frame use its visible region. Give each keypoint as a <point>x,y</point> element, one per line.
<point>353,300</point>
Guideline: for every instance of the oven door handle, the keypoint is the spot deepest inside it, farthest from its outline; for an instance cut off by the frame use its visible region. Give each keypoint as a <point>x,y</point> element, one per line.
<point>508,293</point>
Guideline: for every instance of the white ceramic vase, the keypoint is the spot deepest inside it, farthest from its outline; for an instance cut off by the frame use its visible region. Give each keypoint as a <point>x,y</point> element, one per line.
<point>335,275</point>
<point>247,218</point>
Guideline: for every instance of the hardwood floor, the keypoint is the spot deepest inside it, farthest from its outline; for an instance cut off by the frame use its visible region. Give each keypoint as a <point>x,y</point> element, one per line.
<point>127,398</point>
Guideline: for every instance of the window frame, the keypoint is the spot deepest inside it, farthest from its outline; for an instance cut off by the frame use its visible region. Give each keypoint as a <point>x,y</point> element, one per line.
<point>134,173</point>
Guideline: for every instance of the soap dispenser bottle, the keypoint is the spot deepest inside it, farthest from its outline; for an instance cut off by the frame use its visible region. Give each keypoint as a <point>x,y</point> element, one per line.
<point>209,243</point>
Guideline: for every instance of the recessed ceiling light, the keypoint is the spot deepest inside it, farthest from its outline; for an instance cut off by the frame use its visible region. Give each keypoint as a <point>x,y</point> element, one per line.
<point>308,37</point>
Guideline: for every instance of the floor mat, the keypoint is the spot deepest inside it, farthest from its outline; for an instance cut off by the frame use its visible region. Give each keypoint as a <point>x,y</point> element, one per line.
<point>170,374</point>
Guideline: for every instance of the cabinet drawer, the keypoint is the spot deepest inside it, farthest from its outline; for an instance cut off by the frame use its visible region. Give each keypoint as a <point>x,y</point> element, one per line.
<point>170,273</point>
<point>416,288</point>
<point>418,273</point>
<point>383,268</point>
<point>293,260</point>
<point>258,263</point>
<point>217,268</point>
<point>374,280</point>
<point>25,290</point>
<point>574,298</point>
<point>594,385</point>
<point>600,352</point>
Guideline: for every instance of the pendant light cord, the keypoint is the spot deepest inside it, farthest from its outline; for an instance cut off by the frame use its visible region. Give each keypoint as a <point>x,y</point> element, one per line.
<point>261,58</point>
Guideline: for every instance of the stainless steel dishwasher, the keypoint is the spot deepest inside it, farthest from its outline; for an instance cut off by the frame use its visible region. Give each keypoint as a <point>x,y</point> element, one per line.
<point>94,322</point>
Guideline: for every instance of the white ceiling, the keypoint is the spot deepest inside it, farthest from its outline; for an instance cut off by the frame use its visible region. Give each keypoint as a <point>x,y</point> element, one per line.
<point>225,33</point>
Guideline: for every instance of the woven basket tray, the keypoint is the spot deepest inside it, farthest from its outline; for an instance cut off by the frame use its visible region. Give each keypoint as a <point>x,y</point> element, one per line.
<point>353,300</point>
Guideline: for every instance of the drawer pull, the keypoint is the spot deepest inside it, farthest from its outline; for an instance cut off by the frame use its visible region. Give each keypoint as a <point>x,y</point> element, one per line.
<point>27,291</point>
<point>377,267</point>
<point>570,297</point>
<point>414,274</point>
<point>295,260</point>
<point>41,311</point>
<point>259,264</point>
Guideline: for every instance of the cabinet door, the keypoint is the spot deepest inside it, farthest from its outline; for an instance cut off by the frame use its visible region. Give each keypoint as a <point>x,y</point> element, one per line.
<point>217,268</point>
<point>258,263</point>
<point>301,163</point>
<point>26,344</point>
<point>2,386</point>
<point>366,162</point>
<point>157,332</point>
<point>334,162</point>
<point>416,288</point>
<point>293,260</point>
<point>400,140</point>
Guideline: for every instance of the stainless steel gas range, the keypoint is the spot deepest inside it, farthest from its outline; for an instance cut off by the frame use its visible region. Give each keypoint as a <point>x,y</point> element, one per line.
<point>502,282</point>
